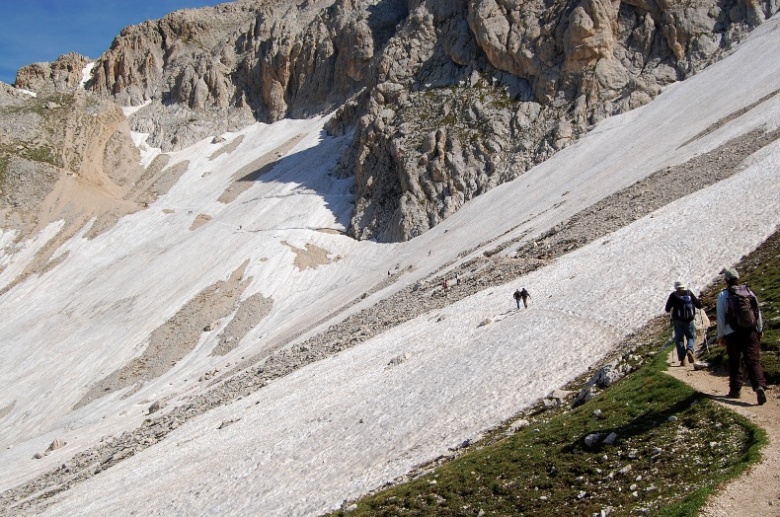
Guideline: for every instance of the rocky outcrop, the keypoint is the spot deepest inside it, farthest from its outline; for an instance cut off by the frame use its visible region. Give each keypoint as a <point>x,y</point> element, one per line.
<point>63,75</point>
<point>444,99</point>
<point>62,156</point>
<point>214,69</point>
<point>470,94</point>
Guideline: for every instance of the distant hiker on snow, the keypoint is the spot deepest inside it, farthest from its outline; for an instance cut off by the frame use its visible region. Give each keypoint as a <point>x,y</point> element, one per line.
<point>522,295</point>
<point>683,304</point>
<point>740,327</point>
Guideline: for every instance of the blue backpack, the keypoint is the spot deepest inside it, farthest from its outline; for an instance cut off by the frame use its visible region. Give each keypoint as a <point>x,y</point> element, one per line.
<point>684,309</point>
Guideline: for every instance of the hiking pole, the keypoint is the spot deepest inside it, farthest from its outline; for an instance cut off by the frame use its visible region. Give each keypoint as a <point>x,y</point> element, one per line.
<point>706,331</point>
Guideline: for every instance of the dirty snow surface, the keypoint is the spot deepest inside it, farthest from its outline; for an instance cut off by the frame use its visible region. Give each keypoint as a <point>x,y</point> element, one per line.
<point>335,428</point>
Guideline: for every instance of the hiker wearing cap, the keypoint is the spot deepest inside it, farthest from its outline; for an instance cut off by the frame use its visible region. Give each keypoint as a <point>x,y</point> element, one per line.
<point>740,326</point>
<point>682,305</point>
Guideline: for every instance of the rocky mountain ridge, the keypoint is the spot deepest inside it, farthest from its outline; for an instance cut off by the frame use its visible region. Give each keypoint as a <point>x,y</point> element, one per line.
<point>444,99</point>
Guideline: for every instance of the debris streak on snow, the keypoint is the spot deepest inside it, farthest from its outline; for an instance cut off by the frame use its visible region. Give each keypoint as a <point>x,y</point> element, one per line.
<point>15,262</point>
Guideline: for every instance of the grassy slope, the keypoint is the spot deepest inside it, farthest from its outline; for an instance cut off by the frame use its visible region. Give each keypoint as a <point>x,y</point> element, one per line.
<point>673,446</point>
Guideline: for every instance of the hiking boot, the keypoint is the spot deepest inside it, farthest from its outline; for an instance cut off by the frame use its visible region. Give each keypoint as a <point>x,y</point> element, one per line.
<point>689,355</point>
<point>684,362</point>
<point>733,394</point>
<point>761,396</point>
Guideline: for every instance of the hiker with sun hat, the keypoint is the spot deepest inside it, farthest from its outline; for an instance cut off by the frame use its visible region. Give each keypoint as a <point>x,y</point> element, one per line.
<point>682,305</point>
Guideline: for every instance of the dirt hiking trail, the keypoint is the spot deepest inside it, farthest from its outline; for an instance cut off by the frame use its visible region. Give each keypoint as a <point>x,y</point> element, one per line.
<point>756,492</point>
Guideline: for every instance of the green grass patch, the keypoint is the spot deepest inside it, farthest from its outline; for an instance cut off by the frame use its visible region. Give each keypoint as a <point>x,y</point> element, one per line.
<point>33,152</point>
<point>42,153</point>
<point>672,447</point>
<point>447,107</point>
<point>4,159</point>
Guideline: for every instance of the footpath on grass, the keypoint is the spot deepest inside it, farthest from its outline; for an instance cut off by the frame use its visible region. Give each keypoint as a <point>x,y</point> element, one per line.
<point>757,492</point>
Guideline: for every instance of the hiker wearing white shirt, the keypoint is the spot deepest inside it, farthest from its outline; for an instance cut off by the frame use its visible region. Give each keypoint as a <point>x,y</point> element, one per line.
<point>740,327</point>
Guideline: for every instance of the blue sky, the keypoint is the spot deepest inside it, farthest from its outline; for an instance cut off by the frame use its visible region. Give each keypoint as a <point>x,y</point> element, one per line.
<point>42,30</point>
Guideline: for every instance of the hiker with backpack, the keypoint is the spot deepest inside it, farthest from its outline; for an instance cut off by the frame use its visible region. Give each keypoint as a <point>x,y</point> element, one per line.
<point>682,305</point>
<point>740,326</point>
<point>522,295</point>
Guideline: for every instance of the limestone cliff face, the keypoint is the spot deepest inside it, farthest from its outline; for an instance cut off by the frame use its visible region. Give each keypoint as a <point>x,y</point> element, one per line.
<point>226,66</point>
<point>62,156</point>
<point>64,74</point>
<point>471,93</point>
<point>443,99</point>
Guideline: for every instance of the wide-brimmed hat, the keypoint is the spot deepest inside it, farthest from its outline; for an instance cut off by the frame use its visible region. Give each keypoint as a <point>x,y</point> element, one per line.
<point>729,274</point>
<point>680,285</point>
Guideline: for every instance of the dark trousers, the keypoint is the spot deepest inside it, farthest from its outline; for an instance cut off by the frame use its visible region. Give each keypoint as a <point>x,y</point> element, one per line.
<point>744,344</point>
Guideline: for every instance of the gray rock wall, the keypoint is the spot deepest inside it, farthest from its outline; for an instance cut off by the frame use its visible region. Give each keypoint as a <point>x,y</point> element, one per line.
<point>210,70</point>
<point>445,99</point>
<point>471,94</point>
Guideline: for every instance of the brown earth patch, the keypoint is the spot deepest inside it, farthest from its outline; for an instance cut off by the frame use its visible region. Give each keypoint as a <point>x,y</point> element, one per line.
<point>199,221</point>
<point>176,338</point>
<point>55,262</point>
<point>141,190</point>
<point>7,409</point>
<point>728,118</point>
<point>227,148</point>
<point>42,262</point>
<point>156,181</point>
<point>310,257</point>
<point>250,313</point>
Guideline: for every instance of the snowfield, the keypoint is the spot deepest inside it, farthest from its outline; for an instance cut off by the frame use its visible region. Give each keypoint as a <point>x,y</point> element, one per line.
<point>342,426</point>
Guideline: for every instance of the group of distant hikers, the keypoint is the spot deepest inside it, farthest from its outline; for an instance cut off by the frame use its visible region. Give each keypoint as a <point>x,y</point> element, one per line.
<point>521,295</point>
<point>740,327</point>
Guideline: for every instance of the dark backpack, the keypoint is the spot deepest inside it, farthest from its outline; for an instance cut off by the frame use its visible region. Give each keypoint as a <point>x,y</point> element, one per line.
<point>684,309</point>
<point>742,308</point>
